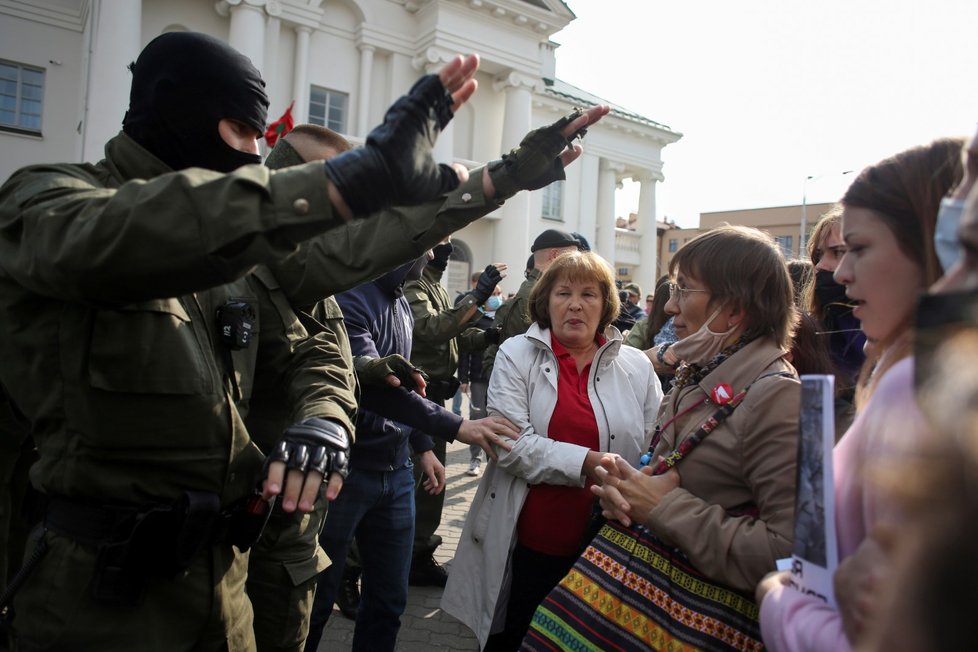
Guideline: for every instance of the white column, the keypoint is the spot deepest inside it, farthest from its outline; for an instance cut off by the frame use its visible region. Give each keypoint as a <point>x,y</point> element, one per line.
<point>512,234</point>
<point>648,247</point>
<point>247,30</point>
<point>300,72</point>
<point>363,95</point>
<point>588,173</point>
<point>607,183</point>
<point>116,41</point>
<point>273,31</point>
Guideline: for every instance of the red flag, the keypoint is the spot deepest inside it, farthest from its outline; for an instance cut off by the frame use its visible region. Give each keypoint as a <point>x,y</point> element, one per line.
<point>280,127</point>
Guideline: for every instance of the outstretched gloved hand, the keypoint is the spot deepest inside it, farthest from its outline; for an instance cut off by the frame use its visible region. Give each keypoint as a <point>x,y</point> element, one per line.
<point>542,155</point>
<point>488,280</point>
<point>379,372</point>
<point>395,165</point>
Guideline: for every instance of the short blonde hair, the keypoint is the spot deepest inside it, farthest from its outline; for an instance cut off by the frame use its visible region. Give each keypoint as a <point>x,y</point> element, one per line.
<point>579,266</point>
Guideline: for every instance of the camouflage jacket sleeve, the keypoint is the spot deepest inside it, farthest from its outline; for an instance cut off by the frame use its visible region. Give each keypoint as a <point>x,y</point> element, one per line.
<point>638,334</point>
<point>438,321</point>
<point>304,367</point>
<point>128,229</point>
<point>366,249</point>
<point>512,318</point>
<point>516,319</point>
<point>472,339</point>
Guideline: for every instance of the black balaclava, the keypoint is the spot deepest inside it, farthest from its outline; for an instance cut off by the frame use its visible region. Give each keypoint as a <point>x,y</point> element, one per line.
<point>183,85</point>
<point>442,253</point>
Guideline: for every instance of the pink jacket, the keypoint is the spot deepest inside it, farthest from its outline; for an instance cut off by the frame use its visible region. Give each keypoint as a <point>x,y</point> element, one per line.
<point>888,428</point>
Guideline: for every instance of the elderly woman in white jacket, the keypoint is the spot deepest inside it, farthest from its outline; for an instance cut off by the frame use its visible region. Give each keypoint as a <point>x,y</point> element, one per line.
<point>576,393</point>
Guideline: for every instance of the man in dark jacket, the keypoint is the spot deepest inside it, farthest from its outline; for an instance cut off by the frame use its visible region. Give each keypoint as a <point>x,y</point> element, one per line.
<point>441,329</point>
<point>377,505</point>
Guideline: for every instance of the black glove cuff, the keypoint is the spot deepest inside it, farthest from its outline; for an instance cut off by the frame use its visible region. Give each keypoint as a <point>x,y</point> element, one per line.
<point>492,335</point>
<point>395,166</point>
<point>363,179</point>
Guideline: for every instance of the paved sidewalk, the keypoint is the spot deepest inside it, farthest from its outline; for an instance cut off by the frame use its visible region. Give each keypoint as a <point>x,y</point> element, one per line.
<point>424,626</point>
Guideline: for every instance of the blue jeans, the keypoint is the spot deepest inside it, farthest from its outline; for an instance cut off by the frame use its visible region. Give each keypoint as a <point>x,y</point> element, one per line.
<point>377,507</point>
<point>457,403</point>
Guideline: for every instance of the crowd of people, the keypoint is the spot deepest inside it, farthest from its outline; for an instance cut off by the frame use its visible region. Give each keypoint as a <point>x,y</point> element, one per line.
<point>224,387</point>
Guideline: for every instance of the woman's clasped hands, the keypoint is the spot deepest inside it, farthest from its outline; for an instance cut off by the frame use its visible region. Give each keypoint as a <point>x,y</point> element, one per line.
<point>628,494</point>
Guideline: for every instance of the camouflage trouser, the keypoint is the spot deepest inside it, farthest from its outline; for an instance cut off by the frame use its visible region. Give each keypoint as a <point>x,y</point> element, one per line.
<point>282,572</point>
<point>204,609</point>
<point>428,510</point>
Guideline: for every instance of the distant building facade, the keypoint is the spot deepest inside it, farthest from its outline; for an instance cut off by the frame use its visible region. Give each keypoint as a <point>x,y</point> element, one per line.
<point>782,222</point>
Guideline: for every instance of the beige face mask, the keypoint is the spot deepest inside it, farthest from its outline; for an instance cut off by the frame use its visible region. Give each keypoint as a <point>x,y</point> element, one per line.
<point>701,347</point>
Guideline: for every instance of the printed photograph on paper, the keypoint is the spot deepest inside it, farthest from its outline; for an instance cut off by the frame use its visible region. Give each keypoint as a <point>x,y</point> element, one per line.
<point>814,556</point>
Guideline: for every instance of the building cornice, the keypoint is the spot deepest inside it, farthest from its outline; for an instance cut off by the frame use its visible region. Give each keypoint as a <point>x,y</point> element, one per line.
<point>73,18</point>
<point>520,13</point>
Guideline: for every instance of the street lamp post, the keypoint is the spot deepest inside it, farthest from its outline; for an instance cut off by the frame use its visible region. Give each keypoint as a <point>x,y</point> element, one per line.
<point>803,235</point>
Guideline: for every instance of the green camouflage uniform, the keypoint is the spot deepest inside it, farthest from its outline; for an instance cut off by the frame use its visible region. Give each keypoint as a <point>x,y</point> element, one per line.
<point>16,456</point>
<point>512,318</point>
<point>638,335</point>
<point>110,279</point>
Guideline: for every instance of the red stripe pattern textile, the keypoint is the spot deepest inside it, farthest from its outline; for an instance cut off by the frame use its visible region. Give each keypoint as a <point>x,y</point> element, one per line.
<point>629,591</point>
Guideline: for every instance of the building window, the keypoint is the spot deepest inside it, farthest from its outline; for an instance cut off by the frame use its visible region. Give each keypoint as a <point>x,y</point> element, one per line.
<point>21,97</point>
<point>553,201</point>
<point>328,108</point>
<point>785,242</point>
<point>673,245</point>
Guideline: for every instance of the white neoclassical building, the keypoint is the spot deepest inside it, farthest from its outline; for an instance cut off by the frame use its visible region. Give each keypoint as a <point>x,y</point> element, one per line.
<point>64,89</point>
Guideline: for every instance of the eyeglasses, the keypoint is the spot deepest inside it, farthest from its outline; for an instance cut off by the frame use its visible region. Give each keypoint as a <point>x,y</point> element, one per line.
<point>680,293</point>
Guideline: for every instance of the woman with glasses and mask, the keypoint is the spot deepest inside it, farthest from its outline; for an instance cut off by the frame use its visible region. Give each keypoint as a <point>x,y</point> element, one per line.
<point>727,502</point>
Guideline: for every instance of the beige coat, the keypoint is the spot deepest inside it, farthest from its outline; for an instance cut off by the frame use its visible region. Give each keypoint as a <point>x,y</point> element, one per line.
<point>748,459</point>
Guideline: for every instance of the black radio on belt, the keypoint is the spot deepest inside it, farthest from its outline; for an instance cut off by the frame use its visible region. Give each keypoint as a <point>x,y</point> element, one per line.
<point>235,324</point>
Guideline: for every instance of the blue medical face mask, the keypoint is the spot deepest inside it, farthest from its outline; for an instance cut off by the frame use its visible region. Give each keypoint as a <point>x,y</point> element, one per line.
<point>946,233</point>
<point>493,303</point>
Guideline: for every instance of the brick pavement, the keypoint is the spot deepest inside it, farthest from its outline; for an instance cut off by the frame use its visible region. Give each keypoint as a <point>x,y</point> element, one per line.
<point>424,626</point>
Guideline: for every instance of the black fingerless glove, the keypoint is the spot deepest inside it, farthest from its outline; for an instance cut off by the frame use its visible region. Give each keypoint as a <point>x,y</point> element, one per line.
<point>314,445</point>
<point>536,162</point>
<point>374,371</point>
<point>395,166</point>
<point>488,281</point>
